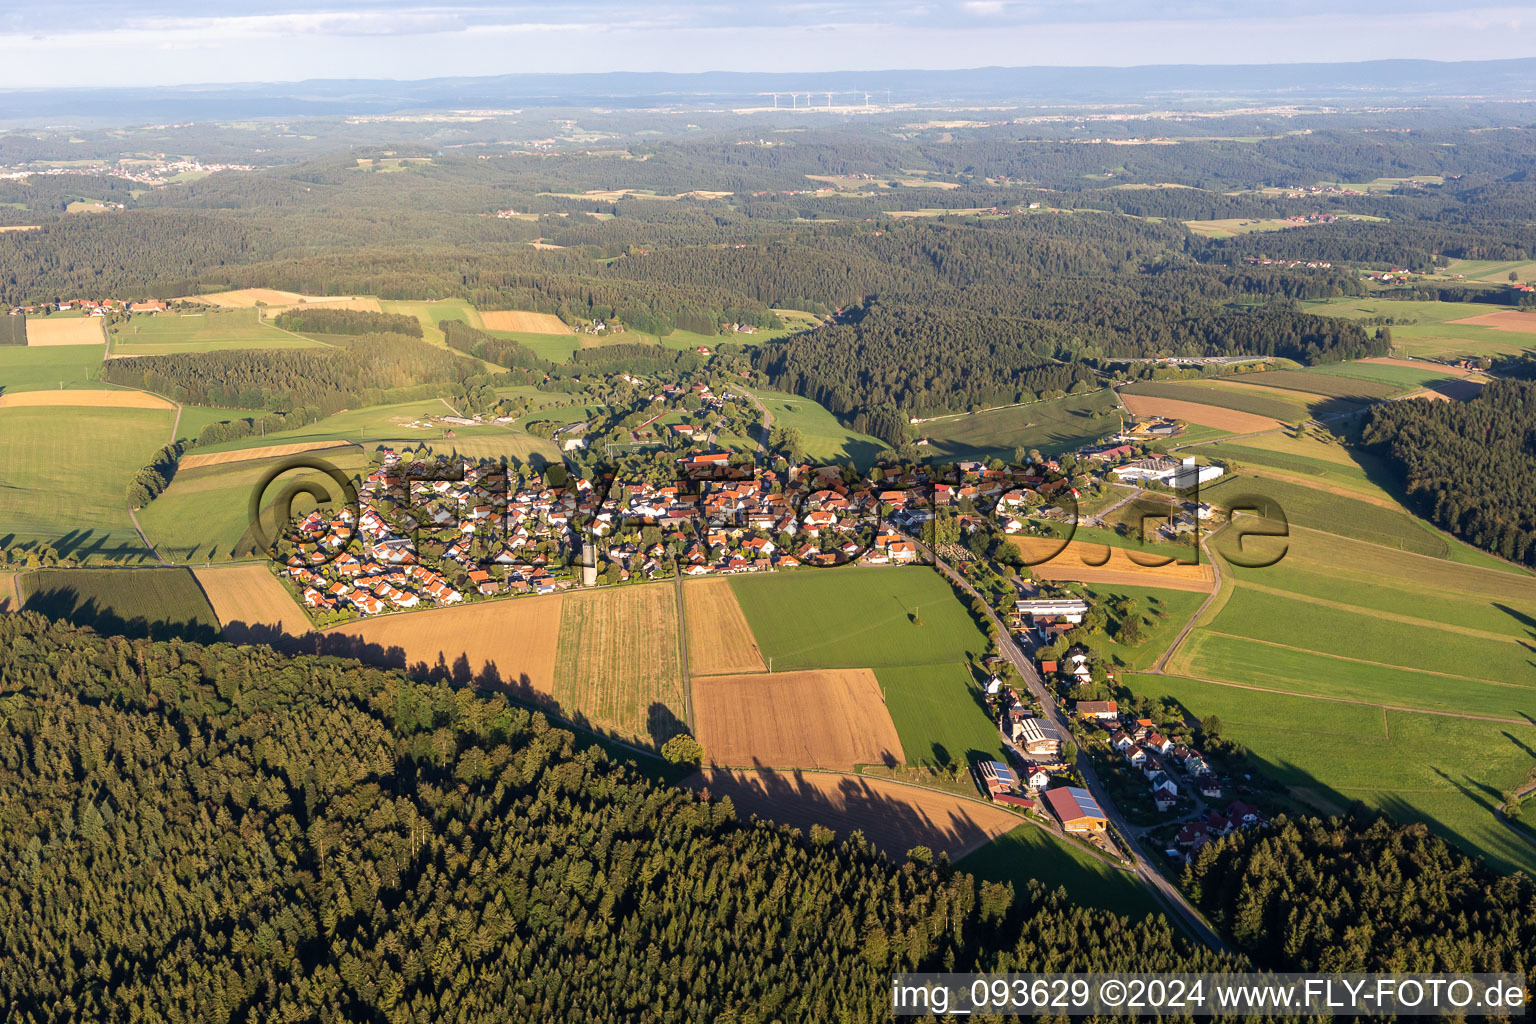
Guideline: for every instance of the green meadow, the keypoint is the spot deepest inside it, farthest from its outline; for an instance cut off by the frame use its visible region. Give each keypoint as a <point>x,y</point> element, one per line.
<point>1429,330</point>
<point>64,476</point>
<point>1448,773</point>
<point>154,602</point>
<point>857,617</point>
<point>1054,426</point>
<point>211,330</point>
<point>46,369</point>
<point>825,438</point>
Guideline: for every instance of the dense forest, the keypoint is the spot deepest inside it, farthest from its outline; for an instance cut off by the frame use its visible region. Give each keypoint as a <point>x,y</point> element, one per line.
<point>221,833</point>
<point>1344,896</point>
<point>1470,466</point>
<point>321,320</point>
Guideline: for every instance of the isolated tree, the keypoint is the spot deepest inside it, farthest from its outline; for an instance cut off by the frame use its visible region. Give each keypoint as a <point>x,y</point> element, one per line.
<point>683,749</point>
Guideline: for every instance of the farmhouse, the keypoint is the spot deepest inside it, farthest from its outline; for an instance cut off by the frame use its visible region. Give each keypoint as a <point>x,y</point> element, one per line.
<point>1076,809</point>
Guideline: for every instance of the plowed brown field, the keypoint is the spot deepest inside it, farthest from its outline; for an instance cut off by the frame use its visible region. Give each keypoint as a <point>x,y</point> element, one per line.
<point>1503,320</point>
<point>828,718</point>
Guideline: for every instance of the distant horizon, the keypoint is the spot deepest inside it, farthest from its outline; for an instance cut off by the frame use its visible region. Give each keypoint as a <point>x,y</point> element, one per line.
<point>171,43</point>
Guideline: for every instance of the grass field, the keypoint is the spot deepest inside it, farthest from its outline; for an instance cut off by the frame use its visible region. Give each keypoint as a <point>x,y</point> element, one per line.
<point>157,603</point>
<point>1273,403</point>
<point>1334,511</point>
<point>857,618</point>
<point>45,369</point>
<point>825,438</point>
<point>64,475</point>
<point>863,618</point>
<point>204,515</point>
<point>1029,853</point>
<point>1163,613</point>
<point>1493,271</point>
<point>1053,426</point>
<point>434,312</point>
<point>1446,772</point>
<point>1351,387</point>
<point>1397,376</point>
<point>211,330</point>
<point>1428,332</point>
<point>391,424</point>
<point>618,667</point>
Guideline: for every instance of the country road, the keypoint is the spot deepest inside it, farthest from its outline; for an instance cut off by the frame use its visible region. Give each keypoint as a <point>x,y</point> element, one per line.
<point>1150,876</point>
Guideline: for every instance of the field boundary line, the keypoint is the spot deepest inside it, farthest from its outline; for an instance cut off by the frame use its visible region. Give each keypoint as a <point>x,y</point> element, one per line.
<point>1367,661</point>
<point>1351,700</point>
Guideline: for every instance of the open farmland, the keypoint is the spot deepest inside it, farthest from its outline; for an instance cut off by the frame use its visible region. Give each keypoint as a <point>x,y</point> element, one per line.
<point>204,515</point>
<point>857,617</point>
<point>893,817</point>
<point>1053,426</point>
<point>433,312</point>
<point>519,320</point>
<point>1504,320</point>
<point>1100,563</point>
<point>719,640</point>
<point>1192,410</point>
<point>250,603</point>
<point>48,369</point>
<point>64,476</point>
<point>1445,772</point>
<point>210,330</point>
<point>508,644</point>
<point>271,451</point>
<point>1435,330</point>
<point>938,711</point>
<point>46,331</point>
<point>618,668</point>
<point>9,601</point>
<point>81,398</point>
<point>158,603</point>
<point>1163,612</point>
<point>1350,387</point>
<point>832,719</point>
<point>246,298</point>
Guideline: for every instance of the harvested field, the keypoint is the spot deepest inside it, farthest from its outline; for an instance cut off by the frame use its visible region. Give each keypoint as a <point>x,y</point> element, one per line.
<point>719,640</point>
<point>519,320</point>
<point>1503,320</point>
<point>18,227</point>
<point>246,297</point>
<point>619,662</point>
<point>43,331</point>
<point>1100,563</point>
<point>360,303</point>
<point>893,817</point>
<point>822,718</point>
<point>271,451</point>
<point>1418,364</point>
<point>509,643</point>
<point>249,602</point>
<point>90,399</point>
<point>9,600</point>
<point>1194,412</point>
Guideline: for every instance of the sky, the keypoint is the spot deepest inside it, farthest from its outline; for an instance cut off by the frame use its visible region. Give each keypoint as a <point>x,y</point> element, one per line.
<point>173,42</point>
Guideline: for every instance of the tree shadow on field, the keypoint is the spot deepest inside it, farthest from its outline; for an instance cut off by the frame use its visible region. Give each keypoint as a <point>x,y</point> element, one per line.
<point>850,805</point>
<point>661,724</point>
